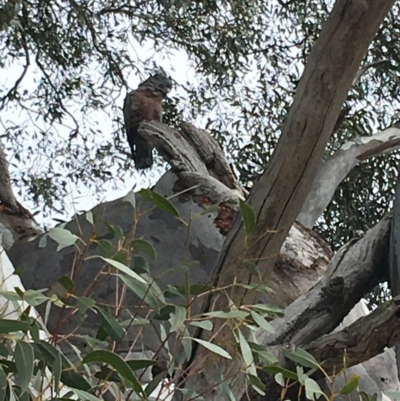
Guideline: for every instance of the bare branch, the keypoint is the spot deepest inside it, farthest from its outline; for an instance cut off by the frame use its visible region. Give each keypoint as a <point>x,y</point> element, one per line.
<point>364,69</point>
<point>365,338</point>
<point>280,192</point>
<point>190,149</point>
<point>7,197</point>
<point>394,255</point>
<point>354,270</point>
<point>334,171</point>
<point>11,93</point>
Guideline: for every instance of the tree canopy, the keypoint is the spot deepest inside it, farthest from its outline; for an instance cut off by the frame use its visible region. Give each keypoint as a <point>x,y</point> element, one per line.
<point>268,80</point>
<point>246,58</point>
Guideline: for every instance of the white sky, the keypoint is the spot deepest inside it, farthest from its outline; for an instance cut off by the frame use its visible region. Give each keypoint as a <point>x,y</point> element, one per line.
<point>81,198</point>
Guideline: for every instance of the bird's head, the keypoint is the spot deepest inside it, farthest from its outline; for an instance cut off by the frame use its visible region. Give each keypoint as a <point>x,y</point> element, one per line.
<point>159,83</point>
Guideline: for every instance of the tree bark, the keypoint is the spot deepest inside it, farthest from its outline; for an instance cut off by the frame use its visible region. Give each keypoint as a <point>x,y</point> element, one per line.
<point>280,192</point>
<point>333,171</point>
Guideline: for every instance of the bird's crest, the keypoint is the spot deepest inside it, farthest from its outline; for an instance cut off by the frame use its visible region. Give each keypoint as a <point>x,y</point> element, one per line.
<point>158,82</point>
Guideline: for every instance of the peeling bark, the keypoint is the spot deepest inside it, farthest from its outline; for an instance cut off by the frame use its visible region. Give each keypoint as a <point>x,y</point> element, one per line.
<point>280,192</point>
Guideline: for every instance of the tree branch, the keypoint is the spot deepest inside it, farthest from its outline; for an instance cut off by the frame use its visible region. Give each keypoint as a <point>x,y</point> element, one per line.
<point>7,197</point>
<point>192,150</point>
<point>365,338</point>
<point>334,171</point>
<point>354,270</point>
<point>280,192</point>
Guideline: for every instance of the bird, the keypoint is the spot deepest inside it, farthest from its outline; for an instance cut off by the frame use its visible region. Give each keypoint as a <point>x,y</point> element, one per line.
<point>144,103</point>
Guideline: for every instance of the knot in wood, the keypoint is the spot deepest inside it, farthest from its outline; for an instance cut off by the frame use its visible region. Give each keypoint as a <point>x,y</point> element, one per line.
<point>335,288</point>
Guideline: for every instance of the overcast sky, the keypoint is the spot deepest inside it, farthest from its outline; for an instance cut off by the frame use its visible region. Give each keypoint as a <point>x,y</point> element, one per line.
<point>178,66</point>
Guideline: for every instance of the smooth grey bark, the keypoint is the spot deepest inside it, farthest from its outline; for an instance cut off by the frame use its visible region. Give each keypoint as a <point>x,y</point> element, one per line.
<point>354,271</point>
<point>7,197</point>
<point>197,243</point>
<point>394,254</point>
<point>333,171</point>
<point>15,221</point>
<point>191,150</point>
<point>278,195</point>
<point>276,198</point>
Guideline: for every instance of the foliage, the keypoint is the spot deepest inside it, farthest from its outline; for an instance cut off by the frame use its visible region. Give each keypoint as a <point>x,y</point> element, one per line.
<point>85,52</point>
<point>103,362</point>
<point>30,366</point>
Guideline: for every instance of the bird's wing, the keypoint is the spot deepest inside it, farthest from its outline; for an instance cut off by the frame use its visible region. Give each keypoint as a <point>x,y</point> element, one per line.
<point>141,152</point>
<point>127,110</point>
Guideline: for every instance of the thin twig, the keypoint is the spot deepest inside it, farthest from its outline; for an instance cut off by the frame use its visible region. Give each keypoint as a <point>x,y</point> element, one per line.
<point>14,89</point>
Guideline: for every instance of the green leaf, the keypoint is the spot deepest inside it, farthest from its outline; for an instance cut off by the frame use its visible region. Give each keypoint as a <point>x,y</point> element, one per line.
<point>260,352</point>
<point>273,310</point>
<point>89,217</point>
<point>124,269</point>
<point>4,352</point>
<point>249,217</point>
<point>262,322</point>
<point>85,396</point>
<point>313,390</point>
<point>226,391</point>
<point>120,256</point>
<point>74,380</point>
<point>301,357</point>
<point>145,247</point>
<point>164,313</point>
<point>116,231</point>
<point>118,364</point>
<point>233,314</point>
<point>110,325</point>
<point>351,385</point>
<point>35,331</point>
<point>247,355</point>
<point>280,379</point>
<point>213,348</point>
<point>204,324</point>
<point>84,304</point>
<point>10,326</point>
<point>106,248</point>
<point>24,362</point>
<point>69,377</point>
<point>258,287</point>
<point>63,237</point>
<point>57,370</point>
<point>141,264</point>
<point>130,197</point>
<point>195,289</point>
<point>67,283</point>
<point>153,384</point>
<point>3,384</point>
<point>274,370</point>
<point>187,344</point>
<point>159,201</point>
<point>302,377</point>
<point>177,318</point>
<point>32,297</point>
<point>393,394</point>
<point>251,266</point>
<point>143,291</point>
<point>136,364</point>
<point>256,383</point>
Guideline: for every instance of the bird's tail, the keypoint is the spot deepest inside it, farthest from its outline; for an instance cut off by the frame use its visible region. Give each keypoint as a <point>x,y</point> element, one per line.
<point>142,154</point>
